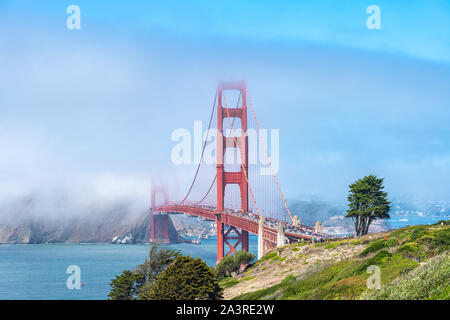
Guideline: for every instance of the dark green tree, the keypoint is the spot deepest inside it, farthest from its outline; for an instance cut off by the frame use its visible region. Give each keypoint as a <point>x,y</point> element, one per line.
<point>131,285</point>
<point>158,259</point>
<point>233,263</point>
<point>367,202</point>
<point>185,279</point>
<point>123,287</point>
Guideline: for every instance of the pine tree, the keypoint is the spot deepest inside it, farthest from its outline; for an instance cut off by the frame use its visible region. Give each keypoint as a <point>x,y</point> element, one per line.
<point>367,202</point>
<point>123,287</point>
<point>131,285</point>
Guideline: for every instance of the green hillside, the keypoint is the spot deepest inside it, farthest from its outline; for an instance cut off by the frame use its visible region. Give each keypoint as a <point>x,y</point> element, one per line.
<point>414,263</point>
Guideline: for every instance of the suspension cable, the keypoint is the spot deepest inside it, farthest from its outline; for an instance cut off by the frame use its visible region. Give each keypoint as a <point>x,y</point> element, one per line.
<point>267,155</point>
<point>203,150</point>
<point>215,177</point>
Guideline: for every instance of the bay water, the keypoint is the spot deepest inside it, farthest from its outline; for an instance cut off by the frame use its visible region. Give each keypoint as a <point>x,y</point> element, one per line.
<point>38,271</point>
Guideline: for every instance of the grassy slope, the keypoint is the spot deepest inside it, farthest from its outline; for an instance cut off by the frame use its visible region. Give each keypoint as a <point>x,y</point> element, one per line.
<point>405,257</point>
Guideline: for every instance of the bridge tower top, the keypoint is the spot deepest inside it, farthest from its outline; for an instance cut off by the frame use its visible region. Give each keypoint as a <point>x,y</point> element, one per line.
<point>158,189</point>
<point>227,142</point>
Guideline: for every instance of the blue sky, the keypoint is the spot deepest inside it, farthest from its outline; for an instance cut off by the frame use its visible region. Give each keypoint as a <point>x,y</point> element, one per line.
<point>77,106</point>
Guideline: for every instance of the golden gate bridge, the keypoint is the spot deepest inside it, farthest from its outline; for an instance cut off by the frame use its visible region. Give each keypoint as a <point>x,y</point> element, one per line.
<point>243,196</point>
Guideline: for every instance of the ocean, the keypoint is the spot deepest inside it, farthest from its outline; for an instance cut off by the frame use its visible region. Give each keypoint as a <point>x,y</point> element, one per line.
<point>38,271</point>
<point>400,221</point>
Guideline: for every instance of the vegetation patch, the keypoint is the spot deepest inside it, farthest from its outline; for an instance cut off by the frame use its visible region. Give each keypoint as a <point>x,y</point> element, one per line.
<point>300,244</point>
<point>429,281</point>
<point>343,280</point>
<point>409,249</point>
<point>378,245</point>
<point>260,294</point>
<point>228,282</point>
<point>335,244</point>
<point>268,256</point>
<point>402,277</point>
<point>233,263</point>
<point>277,258</point>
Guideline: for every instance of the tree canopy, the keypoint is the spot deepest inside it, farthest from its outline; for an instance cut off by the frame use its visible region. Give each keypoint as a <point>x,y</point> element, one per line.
<point>124,286</point>
<point>130,285</point>
<point>185,278</point>
<point>233,263</point>
<point>367,202</point>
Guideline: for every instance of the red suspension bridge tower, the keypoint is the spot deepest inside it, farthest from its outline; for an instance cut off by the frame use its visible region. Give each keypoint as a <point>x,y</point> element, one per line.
<point>159,222</point>
<point>225,178</point>
<point>267,215</point>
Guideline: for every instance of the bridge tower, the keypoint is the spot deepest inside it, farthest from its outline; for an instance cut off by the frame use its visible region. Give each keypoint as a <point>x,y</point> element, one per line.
<point>225,177</point>
<point>159,222</point>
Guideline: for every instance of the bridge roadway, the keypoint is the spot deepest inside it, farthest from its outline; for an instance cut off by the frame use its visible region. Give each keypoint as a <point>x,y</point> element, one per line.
<point>246,221</point>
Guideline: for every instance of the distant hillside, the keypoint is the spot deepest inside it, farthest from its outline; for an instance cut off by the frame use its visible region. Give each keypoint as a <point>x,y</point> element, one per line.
<point>331,215</point>
<point>114,225</point>
<point>414,264</point>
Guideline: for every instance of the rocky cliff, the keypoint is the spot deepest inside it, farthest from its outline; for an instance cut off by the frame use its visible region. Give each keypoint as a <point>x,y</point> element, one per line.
<point>115,225</point>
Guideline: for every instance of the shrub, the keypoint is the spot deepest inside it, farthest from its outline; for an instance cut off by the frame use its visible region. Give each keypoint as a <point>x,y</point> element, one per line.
<point>258,294</point>
<point>228,282</point>
<point>427,240</point>
<point>185,278</point>
<point>429,281</point>
<point>123,286</point>
<point>334,244</point>
<point>410,248</point>
<point>380,257</point>
<point>378,245</point>
<point>270,255</point>
<point>443,237</point>
<point>444,222</point>
<point>300,244</point>
<point>417,232</point>
<point>131,284</point>
<point>233,263</point>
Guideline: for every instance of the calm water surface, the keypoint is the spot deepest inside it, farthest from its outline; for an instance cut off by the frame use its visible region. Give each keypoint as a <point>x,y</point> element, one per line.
<point>38,271</point>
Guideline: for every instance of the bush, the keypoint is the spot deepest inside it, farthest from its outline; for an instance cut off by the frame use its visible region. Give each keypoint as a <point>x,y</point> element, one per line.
<point>443,237</point>
<point>410,248</point>
<point>417,232</point>
<point>233,263</point>
<point>123,287</point>
<point>429,281</point>
<point>131,284</point>
<point>228,282</point>
<point>378,245</point>
<point>334,244</point>
<point>427,240</point>
<point>185,278</point>
<point>442,222</point>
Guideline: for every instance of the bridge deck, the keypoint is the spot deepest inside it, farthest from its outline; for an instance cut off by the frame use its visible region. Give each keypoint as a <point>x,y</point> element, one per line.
<point>247,221</point>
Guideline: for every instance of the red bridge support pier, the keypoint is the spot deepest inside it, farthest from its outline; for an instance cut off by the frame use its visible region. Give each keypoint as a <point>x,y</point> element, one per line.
<point>225,177</point>
<point>159,223</point>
